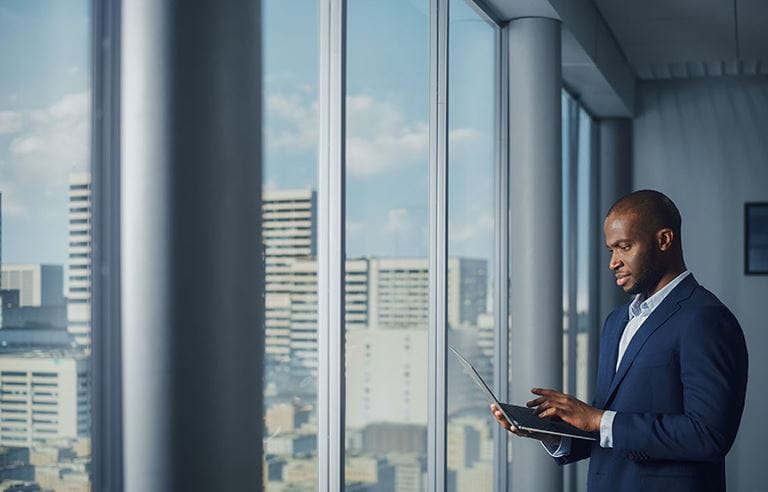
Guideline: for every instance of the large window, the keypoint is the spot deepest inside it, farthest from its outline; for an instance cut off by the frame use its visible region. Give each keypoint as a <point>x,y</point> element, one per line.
<point>472,110</point>
<point>45,226</point>
<point>387,267</point>
<point>289,224</point>
<point>580,236</point>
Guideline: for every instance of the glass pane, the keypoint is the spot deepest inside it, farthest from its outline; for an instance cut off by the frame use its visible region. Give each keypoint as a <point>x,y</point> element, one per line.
<point>45,218</point>
<point>585,241</point>
<point>289,222</point>
<point>471,219</point>
<point>387,244</point>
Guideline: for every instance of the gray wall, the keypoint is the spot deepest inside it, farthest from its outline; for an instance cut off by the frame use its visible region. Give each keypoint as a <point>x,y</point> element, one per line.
<point>704,142</point>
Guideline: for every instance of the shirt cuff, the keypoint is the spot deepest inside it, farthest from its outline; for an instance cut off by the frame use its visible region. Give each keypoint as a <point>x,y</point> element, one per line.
<point>563,447</point>
<point>606,429</point>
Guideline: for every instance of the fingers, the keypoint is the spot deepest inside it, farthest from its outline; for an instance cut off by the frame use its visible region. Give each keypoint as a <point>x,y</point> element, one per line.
<point>536,402</point>
<point>545,392</point>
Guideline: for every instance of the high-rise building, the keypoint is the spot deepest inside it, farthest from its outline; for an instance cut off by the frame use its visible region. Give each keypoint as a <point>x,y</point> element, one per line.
<point>38,285</point>
<point>288,234</point>
<point>399,292</point>
<point>289,220</point>
<point>44,397</point>
<point>291,317</point>
<point>33,298</point>
<point>2,304</point>
<point>389,383</point>
<point>380,293</point>
<point>467,290</point>
<point>79,261</point>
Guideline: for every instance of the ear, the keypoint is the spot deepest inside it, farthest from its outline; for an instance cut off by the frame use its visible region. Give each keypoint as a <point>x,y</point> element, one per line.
<point>664,239</point>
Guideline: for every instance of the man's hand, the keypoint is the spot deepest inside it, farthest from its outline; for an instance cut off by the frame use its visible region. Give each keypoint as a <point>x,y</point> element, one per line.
<point>550,440</point>
<point>552,403</point>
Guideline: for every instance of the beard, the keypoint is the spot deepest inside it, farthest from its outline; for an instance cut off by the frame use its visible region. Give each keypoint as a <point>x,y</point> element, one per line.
<point>648,278</point>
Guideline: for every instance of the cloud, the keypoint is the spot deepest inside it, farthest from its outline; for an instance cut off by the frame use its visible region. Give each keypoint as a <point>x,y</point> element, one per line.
<point>51,142</point>
<point>11,206</point>
<point>398,221</point>
<point>480,228</point>
<point>26,145</point>
<point>71,106</point>
<point>10,122</point>
<point>44,147</point>
<point>380,138</point>
<point>291,123</point>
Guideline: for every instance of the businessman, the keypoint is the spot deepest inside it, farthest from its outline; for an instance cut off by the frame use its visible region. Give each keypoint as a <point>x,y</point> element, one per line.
<point>672,369</point>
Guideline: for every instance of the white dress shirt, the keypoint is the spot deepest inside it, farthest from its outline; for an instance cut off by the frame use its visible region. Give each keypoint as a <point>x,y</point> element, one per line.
<point>639,311</point>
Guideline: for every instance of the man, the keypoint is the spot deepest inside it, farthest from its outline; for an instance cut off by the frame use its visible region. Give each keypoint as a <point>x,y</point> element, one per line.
<point>672,368</point>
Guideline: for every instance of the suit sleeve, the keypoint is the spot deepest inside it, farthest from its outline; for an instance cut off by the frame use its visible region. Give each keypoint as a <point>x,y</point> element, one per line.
<point>713,365</point>
<point>580,449</point>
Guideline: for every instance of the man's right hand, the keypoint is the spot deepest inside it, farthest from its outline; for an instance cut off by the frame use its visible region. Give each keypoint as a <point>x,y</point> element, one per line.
<point>548,439</point>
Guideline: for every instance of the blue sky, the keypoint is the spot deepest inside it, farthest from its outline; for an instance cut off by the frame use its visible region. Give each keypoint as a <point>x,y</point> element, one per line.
<point>44,126</point>
<point>45,111</point>
<point>387,121</point>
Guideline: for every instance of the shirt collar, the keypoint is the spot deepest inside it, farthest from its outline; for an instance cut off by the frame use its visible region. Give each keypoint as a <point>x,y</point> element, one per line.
<point>645,307</point>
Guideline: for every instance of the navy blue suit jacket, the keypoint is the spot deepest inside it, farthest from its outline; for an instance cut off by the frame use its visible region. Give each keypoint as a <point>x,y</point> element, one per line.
<point>678,394</point>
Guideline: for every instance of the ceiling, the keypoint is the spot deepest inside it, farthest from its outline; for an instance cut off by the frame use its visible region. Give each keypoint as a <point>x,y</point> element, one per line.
<point>690,38</point>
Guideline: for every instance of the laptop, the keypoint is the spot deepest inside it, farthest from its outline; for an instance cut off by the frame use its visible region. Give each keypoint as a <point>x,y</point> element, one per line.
<point>523,417</point>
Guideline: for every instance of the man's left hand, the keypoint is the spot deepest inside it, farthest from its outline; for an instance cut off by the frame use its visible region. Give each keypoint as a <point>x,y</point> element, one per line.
<point>551,403</point>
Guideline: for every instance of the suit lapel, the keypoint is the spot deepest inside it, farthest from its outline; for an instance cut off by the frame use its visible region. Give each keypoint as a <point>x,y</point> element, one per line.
<point>660,315</point>
<point>609,350</point>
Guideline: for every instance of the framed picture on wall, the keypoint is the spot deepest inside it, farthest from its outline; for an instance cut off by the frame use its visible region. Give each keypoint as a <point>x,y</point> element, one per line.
<point>756,238</point>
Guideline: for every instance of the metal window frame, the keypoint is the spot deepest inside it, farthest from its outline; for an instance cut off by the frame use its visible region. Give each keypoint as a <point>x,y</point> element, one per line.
<point>438,234</point>
<point>438,246</point>
<point>501,258</point>
<point>106,412</point>
<point>330,245</point>
<point>572,116</point>
<point>331,211</point>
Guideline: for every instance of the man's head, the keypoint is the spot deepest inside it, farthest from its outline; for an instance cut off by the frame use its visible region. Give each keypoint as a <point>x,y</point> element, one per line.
<point>642,231</point>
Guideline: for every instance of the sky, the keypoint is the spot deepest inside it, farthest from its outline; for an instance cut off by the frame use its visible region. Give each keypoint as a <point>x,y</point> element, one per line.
<point>387,121</point>
<point>45,121</point>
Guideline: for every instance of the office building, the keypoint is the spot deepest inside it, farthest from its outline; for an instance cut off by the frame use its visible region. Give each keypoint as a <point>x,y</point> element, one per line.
<point>39,285</point>
<point>288,234</point>
<point>79,260</point>
<point>399,292</point>
<point>44,397</point>
<point>389,383</point>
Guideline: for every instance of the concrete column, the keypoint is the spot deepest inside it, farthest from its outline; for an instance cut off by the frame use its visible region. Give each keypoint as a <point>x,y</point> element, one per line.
<point>535,213</point>
<point>192,315</point>
<point>615,181</point>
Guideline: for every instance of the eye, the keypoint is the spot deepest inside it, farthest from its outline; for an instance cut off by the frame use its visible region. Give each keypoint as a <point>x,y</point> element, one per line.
<point>625,248</point>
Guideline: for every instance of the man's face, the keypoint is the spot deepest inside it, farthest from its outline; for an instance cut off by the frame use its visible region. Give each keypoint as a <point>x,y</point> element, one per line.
<point>635,258</point>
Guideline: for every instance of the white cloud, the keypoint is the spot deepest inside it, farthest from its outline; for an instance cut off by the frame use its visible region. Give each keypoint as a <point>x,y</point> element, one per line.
<point>398,221</point>
<point>11,206</point>
<point>71,106</point>
<point>46,145</point>
<point>291,122</point>
<point>25,145</point>
<point>52,141</point>
<point>479,229</point>
<point>380,138</point>
<point>10,122</point>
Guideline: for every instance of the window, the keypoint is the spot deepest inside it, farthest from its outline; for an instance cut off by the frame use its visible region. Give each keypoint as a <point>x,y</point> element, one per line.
<point>45,95</point>
<point>580,233</point>
<point>472,107</point>
<point>289,222</point>
<point>387,244</point>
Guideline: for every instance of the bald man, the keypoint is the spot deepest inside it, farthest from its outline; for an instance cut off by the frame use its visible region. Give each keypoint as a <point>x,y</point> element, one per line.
<point>672,369</point>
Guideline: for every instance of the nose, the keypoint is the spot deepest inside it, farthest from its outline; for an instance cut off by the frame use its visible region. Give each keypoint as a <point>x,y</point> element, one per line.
<point>615,263</point>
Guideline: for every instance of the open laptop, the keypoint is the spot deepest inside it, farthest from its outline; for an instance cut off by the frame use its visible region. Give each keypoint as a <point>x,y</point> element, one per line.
<point>523,417</point>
